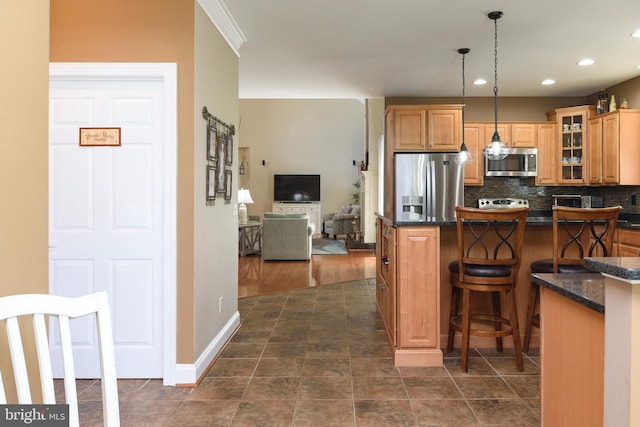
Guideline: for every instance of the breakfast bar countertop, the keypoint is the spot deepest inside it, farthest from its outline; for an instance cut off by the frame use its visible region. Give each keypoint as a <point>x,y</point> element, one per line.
<point>627,268</point>
<point>586,288</point>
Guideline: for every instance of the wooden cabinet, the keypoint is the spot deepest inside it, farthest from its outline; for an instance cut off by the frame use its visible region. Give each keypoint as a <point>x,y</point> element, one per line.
<point>386,277</point>
<point>627,243</point>
<point>524,135</point>
<point>503,129</point>
<point>407,129</point>
<point>444,129</point>
<point>571,158</point>
<point>594,151</point>
<point>424,127</point>
<point>408,292</point>
<point>547,154</point>
<point>475,140</point>
<point>514,135</point>
<point>613,148</point>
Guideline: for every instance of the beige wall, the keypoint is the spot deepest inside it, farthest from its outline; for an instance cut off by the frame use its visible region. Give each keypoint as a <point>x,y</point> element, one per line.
<point>375,130</point>
<point>216,227</point>
<point>24,74</point>
<point>303,136</point>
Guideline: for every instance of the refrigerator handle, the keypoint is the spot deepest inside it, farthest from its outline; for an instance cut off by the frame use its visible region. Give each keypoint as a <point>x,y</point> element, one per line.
<point>430,187</point>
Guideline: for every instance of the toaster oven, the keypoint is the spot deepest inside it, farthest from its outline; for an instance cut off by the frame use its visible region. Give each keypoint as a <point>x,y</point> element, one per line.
<point>577,201</point>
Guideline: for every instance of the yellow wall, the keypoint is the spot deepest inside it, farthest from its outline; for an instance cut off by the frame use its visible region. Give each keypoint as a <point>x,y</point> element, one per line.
<point>144,31</point>
<point>24,74</point>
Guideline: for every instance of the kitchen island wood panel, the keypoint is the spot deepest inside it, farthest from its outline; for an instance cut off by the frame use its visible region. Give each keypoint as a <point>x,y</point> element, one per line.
<point>418,267</point>
<point>572,354</point>
<point>407,275</point>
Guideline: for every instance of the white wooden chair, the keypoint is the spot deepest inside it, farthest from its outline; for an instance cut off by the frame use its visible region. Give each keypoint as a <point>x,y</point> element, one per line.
<point>38,306</point>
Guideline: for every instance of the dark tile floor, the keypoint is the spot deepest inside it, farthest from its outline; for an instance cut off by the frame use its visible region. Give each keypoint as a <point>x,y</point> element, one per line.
<point>319,357</point>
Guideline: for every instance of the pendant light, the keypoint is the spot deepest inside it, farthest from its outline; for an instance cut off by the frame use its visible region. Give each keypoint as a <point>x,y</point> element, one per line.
<point>496,150</point>
<point>464,156</point>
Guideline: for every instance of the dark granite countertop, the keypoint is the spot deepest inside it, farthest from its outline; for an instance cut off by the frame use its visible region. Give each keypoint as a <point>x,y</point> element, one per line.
<point>535,218</point>
<point>586,289</point>
<point>624,268</point>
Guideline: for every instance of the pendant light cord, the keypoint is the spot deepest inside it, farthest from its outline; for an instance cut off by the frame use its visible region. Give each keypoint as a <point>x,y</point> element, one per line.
<point>464,53</point>
<point>464,156</point>
<point>495,16</point>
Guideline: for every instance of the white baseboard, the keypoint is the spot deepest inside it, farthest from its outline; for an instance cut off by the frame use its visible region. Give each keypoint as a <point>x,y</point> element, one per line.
<point>188,374</point>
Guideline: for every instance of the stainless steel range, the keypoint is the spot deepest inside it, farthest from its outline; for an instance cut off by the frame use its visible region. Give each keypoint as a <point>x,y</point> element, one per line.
<point>503,203</point>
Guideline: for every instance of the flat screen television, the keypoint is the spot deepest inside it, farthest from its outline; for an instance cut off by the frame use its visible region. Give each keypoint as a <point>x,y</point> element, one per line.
<point>296,188</point>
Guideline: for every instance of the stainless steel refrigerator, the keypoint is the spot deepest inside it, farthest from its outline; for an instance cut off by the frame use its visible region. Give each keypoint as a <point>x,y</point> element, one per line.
<point>428,187</point>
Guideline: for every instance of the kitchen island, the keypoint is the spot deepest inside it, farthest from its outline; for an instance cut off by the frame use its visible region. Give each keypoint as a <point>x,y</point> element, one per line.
<point>413,291</point>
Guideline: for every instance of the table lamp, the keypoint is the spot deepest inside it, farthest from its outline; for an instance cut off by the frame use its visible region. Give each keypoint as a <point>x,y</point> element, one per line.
<point>243,197</point>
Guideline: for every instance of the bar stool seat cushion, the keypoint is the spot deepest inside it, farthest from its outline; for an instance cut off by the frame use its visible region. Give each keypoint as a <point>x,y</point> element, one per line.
<point>481,270</point>
<point>546,266</point>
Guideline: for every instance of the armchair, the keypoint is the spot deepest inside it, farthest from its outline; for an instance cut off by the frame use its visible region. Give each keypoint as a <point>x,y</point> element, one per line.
<point>287,236</point>
<point>343,222</point>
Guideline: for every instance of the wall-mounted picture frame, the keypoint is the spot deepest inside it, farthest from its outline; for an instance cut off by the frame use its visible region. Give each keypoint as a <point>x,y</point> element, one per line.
<point>211,184</point>
<point>222,144</point>
<point>229,151</point>
<point>100,137</point>
<point>228,177</point>
<point>212,144</point>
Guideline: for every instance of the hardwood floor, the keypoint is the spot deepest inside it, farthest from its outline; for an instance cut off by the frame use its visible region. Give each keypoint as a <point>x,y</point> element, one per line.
<point>258,277</point>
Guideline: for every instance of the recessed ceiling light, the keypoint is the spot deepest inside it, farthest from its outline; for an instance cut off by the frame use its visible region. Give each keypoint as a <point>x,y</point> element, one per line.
<point>586,61</point>
<point>636,34</point>
<point>548,82</point>
<point>480,82</point>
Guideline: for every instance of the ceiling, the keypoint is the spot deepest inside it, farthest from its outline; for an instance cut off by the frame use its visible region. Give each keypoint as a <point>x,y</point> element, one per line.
<point>385,48</point>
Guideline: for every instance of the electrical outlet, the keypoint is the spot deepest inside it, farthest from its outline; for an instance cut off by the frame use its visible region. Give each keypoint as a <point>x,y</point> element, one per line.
<point>220,305</point>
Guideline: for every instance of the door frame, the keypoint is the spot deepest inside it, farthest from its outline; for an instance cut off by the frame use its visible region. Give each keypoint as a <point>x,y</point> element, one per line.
<point>167,74</point>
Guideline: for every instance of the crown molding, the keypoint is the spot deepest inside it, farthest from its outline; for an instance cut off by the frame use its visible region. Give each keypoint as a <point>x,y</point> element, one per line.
<point>219,14</point>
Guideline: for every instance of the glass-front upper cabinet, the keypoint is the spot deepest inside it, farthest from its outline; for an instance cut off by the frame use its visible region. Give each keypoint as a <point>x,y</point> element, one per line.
<point>572,128</point>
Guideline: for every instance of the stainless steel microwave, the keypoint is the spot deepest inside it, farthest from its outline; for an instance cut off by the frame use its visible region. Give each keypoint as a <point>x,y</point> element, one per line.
<point>519,162</point>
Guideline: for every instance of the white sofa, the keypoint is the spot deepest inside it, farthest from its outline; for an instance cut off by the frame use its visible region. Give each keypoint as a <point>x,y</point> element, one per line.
<point>287,236</point>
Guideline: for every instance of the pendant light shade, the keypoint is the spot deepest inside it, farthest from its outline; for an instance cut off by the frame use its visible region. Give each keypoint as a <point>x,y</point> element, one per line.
<point>464,156</point>
<point>496,150</point>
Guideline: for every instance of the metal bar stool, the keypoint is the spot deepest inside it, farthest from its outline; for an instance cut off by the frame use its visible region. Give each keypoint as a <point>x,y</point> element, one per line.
<point>489,257</point>
<point>576,232</point>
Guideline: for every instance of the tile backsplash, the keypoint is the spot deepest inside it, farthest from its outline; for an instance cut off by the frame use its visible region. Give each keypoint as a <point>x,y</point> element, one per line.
<point>539,197</point>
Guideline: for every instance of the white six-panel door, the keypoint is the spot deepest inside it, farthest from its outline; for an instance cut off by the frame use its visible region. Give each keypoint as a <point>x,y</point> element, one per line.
<point>106,216</point>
